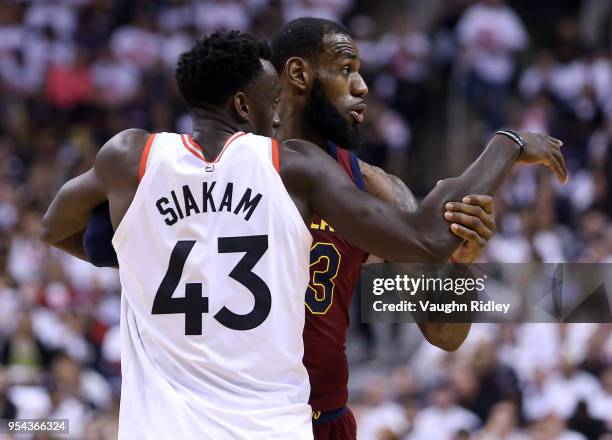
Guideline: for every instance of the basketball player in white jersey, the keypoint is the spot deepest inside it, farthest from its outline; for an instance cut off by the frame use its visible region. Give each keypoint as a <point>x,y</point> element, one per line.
<point>213,248</point>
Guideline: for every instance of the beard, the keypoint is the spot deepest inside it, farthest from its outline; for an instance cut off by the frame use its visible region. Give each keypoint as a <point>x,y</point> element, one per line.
<point>321,115</point>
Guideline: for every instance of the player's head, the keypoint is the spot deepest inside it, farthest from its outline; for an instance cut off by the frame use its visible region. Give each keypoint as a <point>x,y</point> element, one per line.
<point>231,73</point>
<point>318,62</point>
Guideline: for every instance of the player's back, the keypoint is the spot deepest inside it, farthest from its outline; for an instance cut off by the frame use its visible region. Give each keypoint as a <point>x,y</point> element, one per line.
<point>214,265</point>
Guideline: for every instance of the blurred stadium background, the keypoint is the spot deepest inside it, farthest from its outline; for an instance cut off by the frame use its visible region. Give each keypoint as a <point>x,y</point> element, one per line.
<point>442,75</point>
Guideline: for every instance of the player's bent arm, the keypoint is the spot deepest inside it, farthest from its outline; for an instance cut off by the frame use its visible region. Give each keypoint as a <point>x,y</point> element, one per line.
<point>115,169</point>
<point>391,189</point>
<point>376,227</point>
<point>67,216</point>
<point>484,177</point>
<point>367,222</point>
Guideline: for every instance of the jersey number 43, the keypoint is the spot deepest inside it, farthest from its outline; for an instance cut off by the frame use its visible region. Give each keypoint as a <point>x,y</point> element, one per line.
<point>193,304</point>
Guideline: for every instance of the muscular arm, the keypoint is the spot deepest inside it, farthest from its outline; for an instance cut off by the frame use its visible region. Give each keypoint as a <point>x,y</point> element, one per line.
<point>391,189</point>
<point>317,184</point>
<point>67,216</point>
<point>113,177</point>
<point>422,236</point>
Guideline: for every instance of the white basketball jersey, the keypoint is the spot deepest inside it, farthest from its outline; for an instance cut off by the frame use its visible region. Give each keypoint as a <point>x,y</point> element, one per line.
<point>214,261</point>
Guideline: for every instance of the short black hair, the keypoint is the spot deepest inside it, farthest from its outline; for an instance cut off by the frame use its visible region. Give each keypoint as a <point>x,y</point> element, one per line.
<point>218,66</point>
<point>302,37</point>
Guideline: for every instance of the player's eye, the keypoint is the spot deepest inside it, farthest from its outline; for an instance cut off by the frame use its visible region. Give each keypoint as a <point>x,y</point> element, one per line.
<point>346,70</point>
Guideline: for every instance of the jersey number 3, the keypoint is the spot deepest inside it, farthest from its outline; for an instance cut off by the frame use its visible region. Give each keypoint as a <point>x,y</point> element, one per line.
<point>193,305</point>
<point>324,265</point>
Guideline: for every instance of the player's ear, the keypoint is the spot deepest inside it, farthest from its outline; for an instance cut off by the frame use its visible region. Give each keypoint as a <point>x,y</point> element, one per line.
<point>299,72</point>
<point>241,106</point>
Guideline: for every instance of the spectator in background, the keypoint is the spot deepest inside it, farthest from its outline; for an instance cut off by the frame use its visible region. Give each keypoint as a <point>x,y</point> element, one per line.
<point>405,52</point>
<point>490,34</point>
<point>24,350</point>
<point>384,416</point>
<point>564,389</point>
<point>69,85</point>
<point>496,382</point>
<point>7,409</point>
<point>444,418</point>
<point>329,9</point>
<point>116,79</point>
<point>553,427</point>
<point>600,403</point>
<point>501,424</point>
<point>137,42</point>
<point>583,423</point>
<point>213,15</point>
<point>383,132</point>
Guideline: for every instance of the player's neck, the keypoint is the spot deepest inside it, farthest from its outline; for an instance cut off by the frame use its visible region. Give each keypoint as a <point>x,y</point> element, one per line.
<point>212,128</point>
<point>293,126</point>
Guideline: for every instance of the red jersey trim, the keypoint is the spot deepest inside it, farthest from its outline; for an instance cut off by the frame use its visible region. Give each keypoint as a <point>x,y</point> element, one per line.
<point>189,148</point>
<point>275,159</point>
<point>144,156</point>
<point>193,147</point>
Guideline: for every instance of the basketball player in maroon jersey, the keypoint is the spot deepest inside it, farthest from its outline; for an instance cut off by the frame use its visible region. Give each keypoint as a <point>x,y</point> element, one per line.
<point>323,102</point>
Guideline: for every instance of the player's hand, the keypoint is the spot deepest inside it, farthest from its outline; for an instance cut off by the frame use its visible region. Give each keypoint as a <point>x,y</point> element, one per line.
<point>545,150</point>
<point>473,220</point>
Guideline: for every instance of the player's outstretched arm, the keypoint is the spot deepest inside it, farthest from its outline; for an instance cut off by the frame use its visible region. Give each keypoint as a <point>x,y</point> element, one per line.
<point>318,185</point>
<point>380,229</point>
<point>472,219</point>
<point>114,170</point>
<point>486,174</point>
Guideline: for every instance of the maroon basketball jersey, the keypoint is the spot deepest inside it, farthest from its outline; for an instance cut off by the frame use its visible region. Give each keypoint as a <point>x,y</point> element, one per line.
<point>334,268</point>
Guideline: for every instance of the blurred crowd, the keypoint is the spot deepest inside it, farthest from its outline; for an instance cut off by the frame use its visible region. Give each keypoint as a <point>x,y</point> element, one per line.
<point>507,382</point>
<point>442,76</point>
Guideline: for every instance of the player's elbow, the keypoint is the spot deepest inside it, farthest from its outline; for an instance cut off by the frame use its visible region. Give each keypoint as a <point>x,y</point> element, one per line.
<point>47,232</point>
<point>446,345</point>
<point>437,241</point>
<point>427,248</point>
<point>447,337</point>
<point>46,235</point>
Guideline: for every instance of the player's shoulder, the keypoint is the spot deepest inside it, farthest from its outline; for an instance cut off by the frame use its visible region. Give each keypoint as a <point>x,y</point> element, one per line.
<point>304,152</point>
<point>387,187</point>
<point>298,146</point>
<point>303,155</point>
<point>302,163</point>
<point>122,152</point>
<point>369,170</point>
<point>126,143</point>
<point>375,180</point>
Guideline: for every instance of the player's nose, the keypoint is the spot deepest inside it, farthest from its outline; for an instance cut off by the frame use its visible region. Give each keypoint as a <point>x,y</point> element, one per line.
<point>359,87</point>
